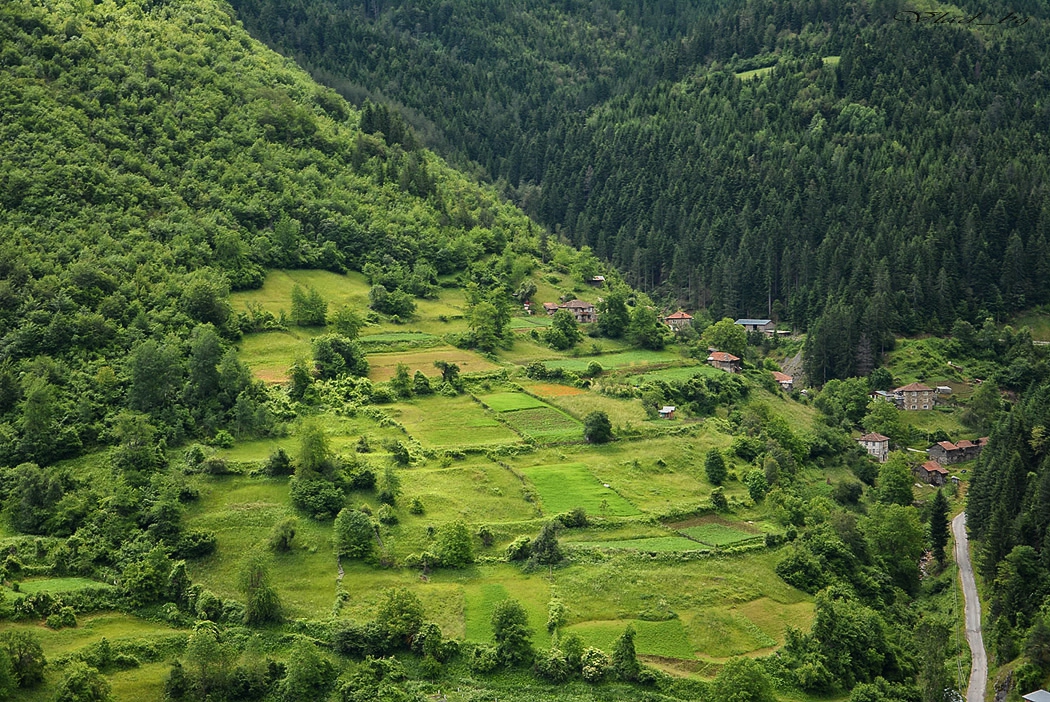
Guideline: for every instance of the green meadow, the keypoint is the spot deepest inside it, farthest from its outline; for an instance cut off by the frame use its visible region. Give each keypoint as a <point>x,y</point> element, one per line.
<point>569,485</point>
<point>456,422</point>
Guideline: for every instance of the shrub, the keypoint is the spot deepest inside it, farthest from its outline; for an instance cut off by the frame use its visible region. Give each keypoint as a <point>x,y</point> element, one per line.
<point>510,630</point>
<point>594,665</point>
<point>575,519</point>
<point>64,617</point>
<point>597,429</point>
<point>279,463</point>
<point>319,498</point>
<point>416,506</point>
<point>282,534</point>
<point>553,666</point>
<point>386,515</point>
<point>196,543</point>
<point>455,547</point>
<point>520,549</point>
<point>354,534</point>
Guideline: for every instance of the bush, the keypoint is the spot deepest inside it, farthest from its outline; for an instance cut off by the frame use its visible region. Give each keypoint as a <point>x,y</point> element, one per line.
<point>483,660</point>
<point>520,549</point>
<point>416,506</point>
<point>553,666</point>
<point>195,544</point>
<point>386,515</point>
<point>511,632</point>
<point>575,519</point>
<point>594,665</point>
<point>597,429</point>
<point>65,617</point>
<point>354,534</point>
<point>279,463</point>
<point>318,498</point>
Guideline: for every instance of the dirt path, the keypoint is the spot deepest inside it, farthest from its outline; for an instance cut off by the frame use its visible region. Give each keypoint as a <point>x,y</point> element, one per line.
<point>979,668</point>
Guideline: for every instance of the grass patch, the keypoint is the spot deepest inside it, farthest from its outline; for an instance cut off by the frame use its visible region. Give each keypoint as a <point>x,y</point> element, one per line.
<point>754,73</point>
<point>674,375</point>
<point>718,534</point>
<point>509,401</point>
<point>544,423</point>
<point>90,628</point>
<point>667,639</point>
<point>30,587</point>
<point>535,322</point>
<point>276,291</point>
<point>554,390</point>
<point>388,337</point>
<point>569,485</point>
<point>621,412</point>
<point>452,422</point>
<point>382,366</point>
<point>271,354</point>
<point>658,544</point>
<point>625,359</point>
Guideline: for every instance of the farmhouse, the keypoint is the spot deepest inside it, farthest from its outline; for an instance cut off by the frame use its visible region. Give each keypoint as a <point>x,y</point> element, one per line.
<point>597,281</point>
<point>550,308</point>
<point>582,311</point>
<point>876,445</point>
<point>724,361</point>
<point>883,396</point>
<point>786,381</point>
<point>946,453</point>
<point>931,472</point>
<point>679,320</point>
<point>757,325</point>
<point>667,412</point>
<point>916,396</point>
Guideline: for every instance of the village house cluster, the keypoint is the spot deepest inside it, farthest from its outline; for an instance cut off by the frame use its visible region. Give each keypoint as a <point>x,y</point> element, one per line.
<point>932,471</point>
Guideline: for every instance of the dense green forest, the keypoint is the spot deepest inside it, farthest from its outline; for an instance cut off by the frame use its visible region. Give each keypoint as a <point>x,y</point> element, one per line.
<point>149,169</point>
<point>896,169</point>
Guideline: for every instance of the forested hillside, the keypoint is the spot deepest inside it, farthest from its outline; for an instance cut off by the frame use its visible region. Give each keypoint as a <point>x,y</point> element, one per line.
<point>150,165</point>
<point>897,168</point>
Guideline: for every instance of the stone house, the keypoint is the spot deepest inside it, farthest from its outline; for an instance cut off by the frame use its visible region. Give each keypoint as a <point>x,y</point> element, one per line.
<point>876,445</point>
<point>679,320</point>
<point>947,453</point>
<point>785,381</point>
<point>931,472</point>
<point>916,396</point>
<point>725,361</point>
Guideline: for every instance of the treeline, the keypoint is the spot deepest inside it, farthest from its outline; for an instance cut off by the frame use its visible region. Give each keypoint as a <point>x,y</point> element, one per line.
<point>1007,509</point>
<point>906,180</point>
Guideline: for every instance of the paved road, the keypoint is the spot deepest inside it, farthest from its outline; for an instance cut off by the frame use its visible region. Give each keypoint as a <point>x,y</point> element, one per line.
<point>979,668</point>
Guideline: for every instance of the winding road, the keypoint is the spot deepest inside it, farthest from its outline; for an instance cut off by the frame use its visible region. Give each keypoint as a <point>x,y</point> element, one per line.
<point>979,668</point>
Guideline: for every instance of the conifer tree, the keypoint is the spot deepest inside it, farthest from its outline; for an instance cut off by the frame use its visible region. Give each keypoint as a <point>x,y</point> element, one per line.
<point>939,526</point>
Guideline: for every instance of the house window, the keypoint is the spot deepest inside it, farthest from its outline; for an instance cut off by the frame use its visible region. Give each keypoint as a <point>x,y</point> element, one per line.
<point>926,407</point>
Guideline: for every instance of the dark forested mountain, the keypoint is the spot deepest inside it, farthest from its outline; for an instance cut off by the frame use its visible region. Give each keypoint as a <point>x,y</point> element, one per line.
<point>896,168</point>
<point>149,166</point>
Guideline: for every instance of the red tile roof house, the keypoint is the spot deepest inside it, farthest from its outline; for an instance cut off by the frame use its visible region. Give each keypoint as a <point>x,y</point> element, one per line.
<point>876,445</point>
<point>931,472</point>
<point>550,308</point>
<point>947,453</point>
<point>916,396</point>
<point>678,320</point>
<point>582,311</point>
<point>786,381</point>
<point>725,361</point>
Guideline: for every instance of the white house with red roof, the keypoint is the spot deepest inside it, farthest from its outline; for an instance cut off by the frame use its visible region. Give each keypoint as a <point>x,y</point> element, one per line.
<point>679,320</point>
<point>876,445</point>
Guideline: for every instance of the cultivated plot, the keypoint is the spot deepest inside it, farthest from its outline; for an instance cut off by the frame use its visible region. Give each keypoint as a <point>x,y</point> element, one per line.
<point>452,422</point>
<point>668,638</point>
<point>657,544</point>
<point>544,424</point>
<point>382,366</point>
<point>565,486</point>
<point>510,401</point>
<point>625,359</point>
<point>720,535</point>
